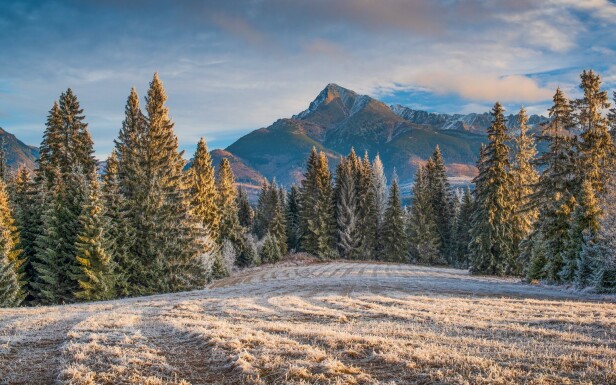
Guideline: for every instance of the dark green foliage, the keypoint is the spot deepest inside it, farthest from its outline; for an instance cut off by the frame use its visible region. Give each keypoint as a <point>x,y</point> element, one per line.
<point>492,248</point>
<point>293,218</point>
<point>270,216</point>
<point>28,223</point>
<point>245,213</point>
<point>118,230</point>
<point>94,271</point>
<point>317,207</point>
<point>270,251</point>
<point>441,199</point>
<point>461,233</point>
<point>394,247</point>
<point>424,239</point>
<point>56,245</point>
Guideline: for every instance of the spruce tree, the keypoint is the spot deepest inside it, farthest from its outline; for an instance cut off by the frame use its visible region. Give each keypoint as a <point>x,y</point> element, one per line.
<point>553,194</point>
<point>227,203</point>
<point>346,212</point>
<point>56,252</point>
<point>423,236</point>
<point>367,211</point>
<point>245,212</point>
<point>441,199</point>
<point>171,242</point>
<point>492,234</point>
<point>461,233</point>
<point>118,229</point>
<point>27,221</point>
<point>318,226</point>
<point>379,184</point>
<point>11,260</point>
<point>584,227</point>
<point>270,251</point>
<point>393,233</point>
<point>524,177</point>
<point>596,147</point>
<point>293,218</point>
<point>203,193</point>
<point>94,272</point>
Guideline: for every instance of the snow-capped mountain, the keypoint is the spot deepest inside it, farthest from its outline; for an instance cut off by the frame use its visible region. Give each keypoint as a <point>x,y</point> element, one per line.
<point>473,122</point>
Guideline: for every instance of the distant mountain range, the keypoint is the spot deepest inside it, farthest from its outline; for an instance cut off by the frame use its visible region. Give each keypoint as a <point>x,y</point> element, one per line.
<point>340,119</point>
<point>337,120</point>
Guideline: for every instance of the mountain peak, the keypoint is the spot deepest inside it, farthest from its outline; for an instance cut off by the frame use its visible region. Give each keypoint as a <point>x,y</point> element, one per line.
<point>333,92</point>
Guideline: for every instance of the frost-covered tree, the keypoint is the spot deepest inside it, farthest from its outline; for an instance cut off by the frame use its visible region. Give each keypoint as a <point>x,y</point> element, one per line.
<point>27,221</point>
<point>379,183</point>
<point>56,252</point>
<point>11,261</point>
<point>203,193</point>
<point>95,267</point>
<point>461,232</point>
<point>270,251</point>
<point>367,211</point>
<point>346,212</point>
<point>317,207</point>
<point>170,241</point>
<point>424,239</point>
<point>118,231</point>
<point>553,194</point>
<point>524,178</point>
<point>596,149</point>
<point>441,199</point>
<point>492,233</point>
<point>394,245</point>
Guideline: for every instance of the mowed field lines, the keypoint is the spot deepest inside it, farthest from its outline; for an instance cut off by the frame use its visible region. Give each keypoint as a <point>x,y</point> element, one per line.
<point>324,323</point>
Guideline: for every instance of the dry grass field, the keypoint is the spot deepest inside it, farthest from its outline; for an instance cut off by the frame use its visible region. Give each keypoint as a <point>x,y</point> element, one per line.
<point>328,323</point>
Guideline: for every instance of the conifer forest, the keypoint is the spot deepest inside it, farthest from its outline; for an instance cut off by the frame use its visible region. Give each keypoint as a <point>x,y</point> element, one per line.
<point>148,222</point>
<point>308,192</point>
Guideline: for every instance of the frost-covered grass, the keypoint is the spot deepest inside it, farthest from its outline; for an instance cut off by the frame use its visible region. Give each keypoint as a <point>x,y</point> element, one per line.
<point>334,323</point>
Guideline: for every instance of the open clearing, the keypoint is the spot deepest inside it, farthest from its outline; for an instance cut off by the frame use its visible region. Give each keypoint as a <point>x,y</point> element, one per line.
<point>339,323</point>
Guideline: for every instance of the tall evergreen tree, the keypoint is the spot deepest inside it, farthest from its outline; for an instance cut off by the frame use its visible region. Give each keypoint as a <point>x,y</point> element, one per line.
<point>441,199</point>
<point>293,218</point>
<point>318,226</point>
<point>379,182</point>
<point>56,252</point>
<point>94,271</point>
<point>346,212</point>
<point>586,222</point>
<point>245,212</point>
<point>227,202</point>
<point>461,233</point>
<point>394,246</point>
<point>367,209</point>
<point>424,239</point>
<point>203,193</point>
<point>27,221</point>
<point>553,194</point>
<point>492,238</point>
<point>11,261</point>
<point>150,169</point>
<point>596,146</point>
<point>524,177</point>
<point>118,229</point>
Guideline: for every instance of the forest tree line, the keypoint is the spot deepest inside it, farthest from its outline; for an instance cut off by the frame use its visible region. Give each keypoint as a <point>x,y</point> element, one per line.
<point>150,224</point>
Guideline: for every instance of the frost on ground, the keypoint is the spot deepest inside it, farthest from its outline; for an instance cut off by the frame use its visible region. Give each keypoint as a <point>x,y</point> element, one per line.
<point>330,323</point>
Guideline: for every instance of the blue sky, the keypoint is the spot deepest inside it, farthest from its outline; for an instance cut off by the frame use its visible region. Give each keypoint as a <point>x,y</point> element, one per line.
<point>232,66</point>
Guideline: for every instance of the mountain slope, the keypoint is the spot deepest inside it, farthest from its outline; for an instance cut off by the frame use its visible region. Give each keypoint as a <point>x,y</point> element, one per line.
<point>339,119</point>
<point>473,122</point>
<point>17,152</point>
